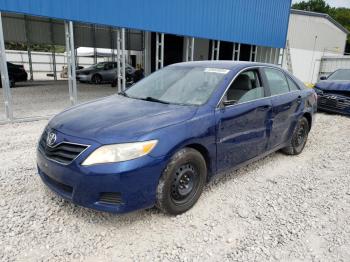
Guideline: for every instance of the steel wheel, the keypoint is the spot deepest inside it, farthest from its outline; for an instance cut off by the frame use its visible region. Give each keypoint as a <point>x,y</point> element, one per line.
<point>301,135</point>
<point>185,183</point>
<point>299,138</point>
<point>182,182</point>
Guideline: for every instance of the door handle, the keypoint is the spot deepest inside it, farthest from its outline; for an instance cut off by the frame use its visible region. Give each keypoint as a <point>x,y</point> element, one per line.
<point>299,100</point>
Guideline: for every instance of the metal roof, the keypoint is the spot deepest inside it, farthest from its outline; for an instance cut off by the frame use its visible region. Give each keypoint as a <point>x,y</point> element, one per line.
<point>309,13</point>
<point>222,64</point>
<point>258,22</point>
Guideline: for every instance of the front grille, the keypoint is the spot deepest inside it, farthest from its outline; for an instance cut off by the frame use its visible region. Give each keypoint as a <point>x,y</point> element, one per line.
<point>62,187</point>
<point>111,198</point>
<point>339,104</point>
<point>64,152</point>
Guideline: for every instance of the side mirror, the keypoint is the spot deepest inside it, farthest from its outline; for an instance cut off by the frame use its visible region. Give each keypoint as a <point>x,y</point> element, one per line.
<point>323,78</point>
<point>229,102</point>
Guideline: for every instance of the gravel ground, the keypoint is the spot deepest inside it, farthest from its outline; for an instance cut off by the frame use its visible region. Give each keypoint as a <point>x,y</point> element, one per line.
<point>281,208</point>
<point>42,98</point>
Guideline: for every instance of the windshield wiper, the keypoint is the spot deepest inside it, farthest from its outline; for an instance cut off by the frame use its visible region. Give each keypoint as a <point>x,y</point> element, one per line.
<point>152,99</point>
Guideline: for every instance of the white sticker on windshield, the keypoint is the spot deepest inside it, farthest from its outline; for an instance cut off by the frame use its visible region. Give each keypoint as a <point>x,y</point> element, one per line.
<point>216,70</point>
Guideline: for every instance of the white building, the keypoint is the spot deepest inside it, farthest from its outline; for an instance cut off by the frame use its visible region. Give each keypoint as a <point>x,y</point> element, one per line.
<point>310,37</point>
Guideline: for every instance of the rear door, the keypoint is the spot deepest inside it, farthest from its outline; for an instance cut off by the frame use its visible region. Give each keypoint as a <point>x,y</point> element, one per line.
<point>110,71</point>
<point>285,104</point>
<point>242,121</point>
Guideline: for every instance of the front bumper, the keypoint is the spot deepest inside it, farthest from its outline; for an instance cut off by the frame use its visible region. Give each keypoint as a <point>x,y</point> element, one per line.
<point>334,105</point>
<point>83,78</point>
<point>134,181</point>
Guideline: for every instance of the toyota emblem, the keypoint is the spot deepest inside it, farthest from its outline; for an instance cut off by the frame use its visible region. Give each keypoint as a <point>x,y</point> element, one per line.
<point>51,139</point>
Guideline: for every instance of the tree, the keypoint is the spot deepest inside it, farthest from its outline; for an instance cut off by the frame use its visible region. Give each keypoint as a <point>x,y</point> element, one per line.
<point>341,15</point>
<point>313,5</point>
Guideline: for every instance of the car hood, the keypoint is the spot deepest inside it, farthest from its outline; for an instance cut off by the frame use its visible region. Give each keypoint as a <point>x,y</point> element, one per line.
<point>118,118</point>
<point>333,85</point>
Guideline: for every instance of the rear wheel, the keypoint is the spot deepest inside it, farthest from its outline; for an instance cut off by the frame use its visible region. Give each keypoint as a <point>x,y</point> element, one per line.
<point>182,182</point>
<point>96,79</point>
<point>12,82</point>
<point>114,82</point>
<point>299,138</point>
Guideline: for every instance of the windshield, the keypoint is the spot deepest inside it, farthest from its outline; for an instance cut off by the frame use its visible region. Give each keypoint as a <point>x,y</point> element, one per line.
<point>343,74</point>
<point>99,66</point>
<point>179,85</point>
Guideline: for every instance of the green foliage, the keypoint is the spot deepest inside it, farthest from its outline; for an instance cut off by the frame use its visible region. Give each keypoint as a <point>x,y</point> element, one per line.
<point>313,5</point>
<point>341,15</point>
<point>34,47</point>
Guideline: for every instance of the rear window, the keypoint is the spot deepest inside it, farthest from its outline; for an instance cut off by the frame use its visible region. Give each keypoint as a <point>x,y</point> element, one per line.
<point>277,81</point>
<point>292,85</point>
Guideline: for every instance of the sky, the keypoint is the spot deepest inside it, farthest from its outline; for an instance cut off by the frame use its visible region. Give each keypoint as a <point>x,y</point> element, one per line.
<point>334,3</point>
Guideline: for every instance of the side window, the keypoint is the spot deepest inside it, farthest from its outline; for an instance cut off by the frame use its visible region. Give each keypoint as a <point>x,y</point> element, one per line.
<point>246,87</point>
<point>277,81</point>
<point>292,85</point>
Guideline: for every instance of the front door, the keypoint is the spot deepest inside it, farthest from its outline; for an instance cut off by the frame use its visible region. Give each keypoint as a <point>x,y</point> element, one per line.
<point>242,121</point>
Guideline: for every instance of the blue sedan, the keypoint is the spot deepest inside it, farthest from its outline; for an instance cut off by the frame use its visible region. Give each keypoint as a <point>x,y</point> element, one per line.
<point>162,140</point>
<point>334,92</point>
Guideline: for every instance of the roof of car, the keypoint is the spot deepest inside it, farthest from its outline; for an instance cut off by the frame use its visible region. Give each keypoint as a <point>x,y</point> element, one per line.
<point>222,64</point>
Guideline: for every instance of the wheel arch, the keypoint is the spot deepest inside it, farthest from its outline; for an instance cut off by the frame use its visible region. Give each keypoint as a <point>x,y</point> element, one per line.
<point>205,153</point>
<point>308,117</point>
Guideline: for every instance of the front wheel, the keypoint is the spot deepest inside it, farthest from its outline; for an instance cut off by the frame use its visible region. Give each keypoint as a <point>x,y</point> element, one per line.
<point>96,79</point>
<point>182,182</point>
<point>299,138</point>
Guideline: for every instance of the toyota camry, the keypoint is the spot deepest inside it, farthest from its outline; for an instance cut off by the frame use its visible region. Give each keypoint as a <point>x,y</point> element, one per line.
<point>159,142</point>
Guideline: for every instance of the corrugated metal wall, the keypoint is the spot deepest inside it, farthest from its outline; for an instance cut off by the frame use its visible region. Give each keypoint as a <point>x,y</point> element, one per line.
<point>38,30</point>
<point>258,22</point>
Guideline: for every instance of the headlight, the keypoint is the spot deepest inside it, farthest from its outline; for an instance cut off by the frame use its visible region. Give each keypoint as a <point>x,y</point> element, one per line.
<point>119,152</point>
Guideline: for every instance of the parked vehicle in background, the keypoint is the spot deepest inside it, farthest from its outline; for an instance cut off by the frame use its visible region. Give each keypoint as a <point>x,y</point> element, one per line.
<point>104,72</point>
<point>334,92</point>
<point>17,73</point>
<point>160,141</point>
<point>131,79</point>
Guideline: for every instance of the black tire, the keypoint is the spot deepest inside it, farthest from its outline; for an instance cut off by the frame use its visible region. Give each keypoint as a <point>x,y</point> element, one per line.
<point>96,79</point>
<point>299,138</point>
<point>12,82</point>
<point>182,182</point>
<point>114,83</point>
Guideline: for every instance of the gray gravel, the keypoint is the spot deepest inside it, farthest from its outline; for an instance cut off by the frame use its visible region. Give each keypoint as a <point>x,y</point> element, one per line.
<point>42,98</point>
<point>280,208</point>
